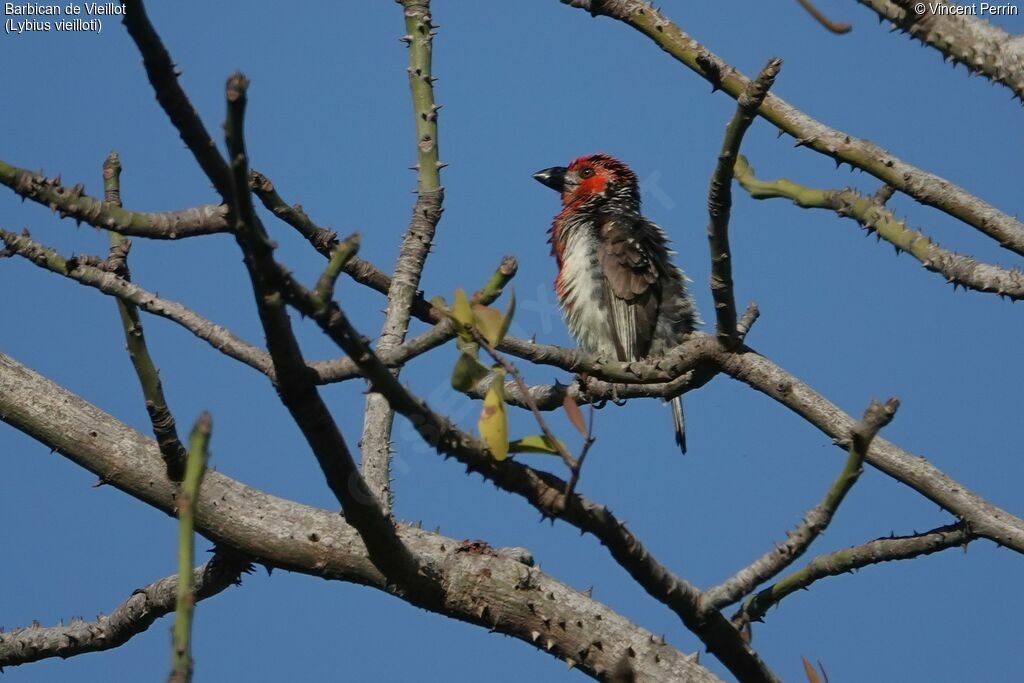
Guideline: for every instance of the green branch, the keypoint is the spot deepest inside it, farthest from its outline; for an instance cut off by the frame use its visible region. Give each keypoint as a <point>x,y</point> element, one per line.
<point>850,559</point>
<point>815,522</point>
<point>871,214</point>
<point>419,34</point>
<point>720,203</point>
<point>323,240</point>
<point>378,417</point>
<point>341,255</point>
<point>195,468</point>
<point>160,416</point>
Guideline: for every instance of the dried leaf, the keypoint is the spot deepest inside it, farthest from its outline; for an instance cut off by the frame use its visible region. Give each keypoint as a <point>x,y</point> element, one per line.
<point>575,415</point>
<point>812,675</point>
<point>493,423</point>
<point>536,443</point>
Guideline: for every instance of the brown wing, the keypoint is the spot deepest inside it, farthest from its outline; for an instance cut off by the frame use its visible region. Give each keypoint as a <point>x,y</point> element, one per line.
<point>632,287</point>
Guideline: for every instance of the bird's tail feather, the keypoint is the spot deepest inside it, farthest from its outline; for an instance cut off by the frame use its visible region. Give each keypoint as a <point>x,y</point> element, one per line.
<point>679,423</point>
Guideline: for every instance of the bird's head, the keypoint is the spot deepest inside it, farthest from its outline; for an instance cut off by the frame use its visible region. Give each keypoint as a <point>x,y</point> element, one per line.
<point>597,181</point>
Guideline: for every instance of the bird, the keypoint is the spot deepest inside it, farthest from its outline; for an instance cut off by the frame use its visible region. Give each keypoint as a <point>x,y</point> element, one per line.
<point>620,294</point>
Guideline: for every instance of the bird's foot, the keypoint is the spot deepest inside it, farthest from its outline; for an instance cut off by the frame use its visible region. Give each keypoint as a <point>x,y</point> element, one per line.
<point>581,380</point>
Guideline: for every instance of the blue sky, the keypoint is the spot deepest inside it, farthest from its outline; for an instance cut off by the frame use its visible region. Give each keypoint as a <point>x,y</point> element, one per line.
<point>524,86</point>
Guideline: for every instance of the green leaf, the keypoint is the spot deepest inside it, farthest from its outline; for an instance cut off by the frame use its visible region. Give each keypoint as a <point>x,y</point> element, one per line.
<point>536,443</point>
<point>493,423</point>
<point>462,315</point>
<point>440,304</point>
<point>468,370</point>
<point>489,322</point>
<point>461,310</point>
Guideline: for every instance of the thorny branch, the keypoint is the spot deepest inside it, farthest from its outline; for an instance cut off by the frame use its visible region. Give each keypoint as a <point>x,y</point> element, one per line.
<point>519,600</point>
<point>544,491</point>
<point>130,618</point>
<point>720,202</point>
<point>160,416</point>
<point>187,500</point>
<point>927,188</point>
<point>815,521</point>
<point>851,559</point>
<point>378,417</point>
<point>163,76</point>
<point>872,215</point>
<point>296,389</point>
<point>700,353</point>
<point>981,47</point>
<point>399,557</point>
<point>75,204</point>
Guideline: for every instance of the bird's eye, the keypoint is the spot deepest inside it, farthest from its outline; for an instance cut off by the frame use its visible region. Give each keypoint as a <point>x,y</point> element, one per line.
<point>586,172</point>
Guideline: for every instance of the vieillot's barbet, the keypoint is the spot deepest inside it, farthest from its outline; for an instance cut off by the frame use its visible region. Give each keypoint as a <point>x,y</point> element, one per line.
<point>620,293</point>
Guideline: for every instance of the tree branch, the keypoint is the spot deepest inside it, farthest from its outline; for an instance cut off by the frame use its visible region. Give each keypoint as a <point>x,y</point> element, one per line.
<point>324,241</point>
<point>75,204</point>
<point>80,270</point>
<point>848,560</point>
<point>188,495</point>
<point>985,520</point>
<point>693,355</point>
<point>720,202</point>
<point>130,618</point>
<point>872,215</point>
<point>981,47</point>
<point>544,491</point>
<point>925,187</point>
<point>294,385</point>
<point>484,587</point>
<point>163,75</point>
<point>817,518</point>
<point>378,417</point>
<point>160,415</point>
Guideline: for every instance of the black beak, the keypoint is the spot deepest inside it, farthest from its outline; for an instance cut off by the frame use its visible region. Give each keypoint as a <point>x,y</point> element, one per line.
<point>553,177</point>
